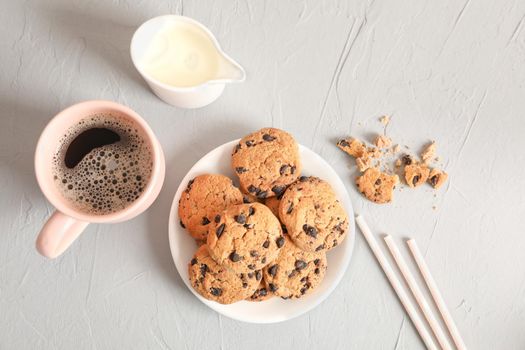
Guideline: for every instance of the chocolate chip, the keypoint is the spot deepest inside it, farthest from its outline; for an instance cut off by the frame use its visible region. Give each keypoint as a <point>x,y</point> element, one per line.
<point>235,257</point>
<point>251,211</point>
<point>251,267</point>
<point>205,221</point>
<point>244,285</point>
<point>181,224</point>
<point>278,190</point>
<point>220,230</point>
<point>252,189</point>
<point>303,290</point>
<point>434,180</point>
<point>304,279</point>
<point>266,244</point>
<point>254,253</point>
<point>343,143</point>
<point>321,247</point>
<point>283,169</point>
<point>406,159</point>
<point>246,200</point>
<point>310,230</point>
<point>262,194</point>
<point>193,261</point>
<point>216,291</point>
<point>300,265</point>
<point>250,274</point>
<point>292,169</point>
<point>203,269</point>
<point>272,287</point>
<point>415,179</point>
<point>291,274</point>
<point>249,226</point>
<point>263,292</point>
<point>378,182</point>
<point>250,143</point>
<point>268,137</point>
<point>241,170</point>
<point>258,275</point>
<point>285,230</point>
<point>241,219</point>
<point>188,188</point>
<point>317,261</point>
<point>237,148</point>
<point>303,178</point>
<point>334,243</point>
<point>317,271</point>
<point>279,241</point>
<point>217,218</point>
<point>272,270</point>
<point>290,208</point>
<point>263,260</point>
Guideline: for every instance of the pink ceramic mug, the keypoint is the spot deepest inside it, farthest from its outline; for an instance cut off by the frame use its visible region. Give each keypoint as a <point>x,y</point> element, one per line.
<point>67,222</point>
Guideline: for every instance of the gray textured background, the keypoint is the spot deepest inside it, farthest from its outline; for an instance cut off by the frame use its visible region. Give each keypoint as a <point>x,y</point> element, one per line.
<point>448,70</point>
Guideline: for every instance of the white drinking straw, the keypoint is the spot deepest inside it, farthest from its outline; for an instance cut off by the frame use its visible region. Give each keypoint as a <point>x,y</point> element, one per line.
<point>398,287</point>
<point>438,299</point>
<point>418,294</point>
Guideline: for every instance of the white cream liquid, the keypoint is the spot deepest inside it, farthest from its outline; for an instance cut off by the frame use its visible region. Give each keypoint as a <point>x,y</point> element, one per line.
<point>181,55</point>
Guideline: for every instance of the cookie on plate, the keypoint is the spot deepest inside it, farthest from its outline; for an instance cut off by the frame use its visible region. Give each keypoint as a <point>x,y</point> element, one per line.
<point>266,161</point>
<point>217,283</point>
<point>203,199</point>
<point>295,272</point>
<point>245,237</point>
<point>313,216</point>
<point>261,294</point>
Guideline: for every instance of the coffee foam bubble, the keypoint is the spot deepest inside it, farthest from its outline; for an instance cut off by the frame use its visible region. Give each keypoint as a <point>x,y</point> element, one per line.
<point>108,178</point>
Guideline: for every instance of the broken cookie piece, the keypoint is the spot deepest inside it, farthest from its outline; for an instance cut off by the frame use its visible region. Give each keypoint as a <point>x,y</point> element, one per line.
<point>377,186</point>
<point>382,141</point>
<point>437,178</point>
<point>384,120</point>
<point>416,174</point>
<point>353,147</point>
<point>429,152</point>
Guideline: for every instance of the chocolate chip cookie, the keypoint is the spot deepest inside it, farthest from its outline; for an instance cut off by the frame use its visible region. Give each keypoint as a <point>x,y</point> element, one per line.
<point>245,237</point>
<point>266,161</point>
<point>203,199</point>
<point>314,218</point>
<point>377,186</point>
<point>295,272</point>
<point>217,283</point>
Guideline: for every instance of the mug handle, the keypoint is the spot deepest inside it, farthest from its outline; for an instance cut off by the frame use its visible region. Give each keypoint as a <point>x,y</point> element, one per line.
<point>58,233</point>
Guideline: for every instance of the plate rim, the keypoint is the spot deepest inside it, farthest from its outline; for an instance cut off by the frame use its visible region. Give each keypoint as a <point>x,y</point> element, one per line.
<point>347,203</point>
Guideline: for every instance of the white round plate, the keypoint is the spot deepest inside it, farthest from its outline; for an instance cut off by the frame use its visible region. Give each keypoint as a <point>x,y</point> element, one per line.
<point>275,309</point>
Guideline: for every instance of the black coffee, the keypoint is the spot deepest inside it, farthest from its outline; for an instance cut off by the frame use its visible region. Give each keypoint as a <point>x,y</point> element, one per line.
<point>103,164</point>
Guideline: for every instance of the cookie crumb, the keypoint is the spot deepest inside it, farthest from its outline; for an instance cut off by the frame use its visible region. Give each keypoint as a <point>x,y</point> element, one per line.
<point>437,178</point>
<point>377,186</point>
<point>385,120</point>
<point>398,163</point>
<point>434,207</point>
<point>383,141</point>
<point>429,152</point>
<point>396,149</point>
<point>416,174</point>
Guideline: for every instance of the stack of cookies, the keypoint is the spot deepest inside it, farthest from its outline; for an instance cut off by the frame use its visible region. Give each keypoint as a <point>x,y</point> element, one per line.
<point>268,238</point>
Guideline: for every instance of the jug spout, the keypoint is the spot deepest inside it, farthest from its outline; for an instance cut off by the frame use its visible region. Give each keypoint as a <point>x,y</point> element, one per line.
<point>230,71</point>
